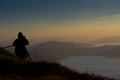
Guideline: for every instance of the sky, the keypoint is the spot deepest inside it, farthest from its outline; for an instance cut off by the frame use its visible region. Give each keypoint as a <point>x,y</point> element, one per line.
<point>66,20</point>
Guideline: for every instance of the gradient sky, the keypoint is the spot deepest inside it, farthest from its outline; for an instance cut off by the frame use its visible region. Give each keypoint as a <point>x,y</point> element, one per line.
<point>69,20</point>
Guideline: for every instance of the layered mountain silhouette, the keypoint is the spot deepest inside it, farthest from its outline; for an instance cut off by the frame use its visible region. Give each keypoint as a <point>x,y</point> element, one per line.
<point>55,50</point>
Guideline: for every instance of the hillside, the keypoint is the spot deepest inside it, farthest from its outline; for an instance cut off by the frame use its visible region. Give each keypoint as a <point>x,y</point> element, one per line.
<point>12,68</point>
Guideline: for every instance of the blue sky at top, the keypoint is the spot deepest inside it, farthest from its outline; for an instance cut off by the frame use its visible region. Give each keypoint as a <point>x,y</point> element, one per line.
<point>26,11</point>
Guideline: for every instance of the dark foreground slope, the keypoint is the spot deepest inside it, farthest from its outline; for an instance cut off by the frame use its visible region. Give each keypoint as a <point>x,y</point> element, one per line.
<point>12,68</point>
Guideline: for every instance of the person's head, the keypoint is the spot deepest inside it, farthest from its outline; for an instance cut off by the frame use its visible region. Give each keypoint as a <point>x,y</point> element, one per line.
<point>20,35</point>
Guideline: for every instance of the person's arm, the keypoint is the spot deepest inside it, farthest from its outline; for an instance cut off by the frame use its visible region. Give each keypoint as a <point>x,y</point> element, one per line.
<point>26,42</point>
<point>14,43</point>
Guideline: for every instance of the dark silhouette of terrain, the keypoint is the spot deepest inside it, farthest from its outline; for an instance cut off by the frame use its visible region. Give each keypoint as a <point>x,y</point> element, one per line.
<point>55,50</point>
<point>13,68</point>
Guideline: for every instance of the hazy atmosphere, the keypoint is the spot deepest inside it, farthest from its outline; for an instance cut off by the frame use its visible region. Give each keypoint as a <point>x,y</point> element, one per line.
<point>65,38</point>
<point>66,20</point>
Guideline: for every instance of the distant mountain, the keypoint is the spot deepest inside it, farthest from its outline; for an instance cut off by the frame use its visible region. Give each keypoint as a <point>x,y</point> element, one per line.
<point>115,39</point>
<point>53,50</point>
<point>106,50</point>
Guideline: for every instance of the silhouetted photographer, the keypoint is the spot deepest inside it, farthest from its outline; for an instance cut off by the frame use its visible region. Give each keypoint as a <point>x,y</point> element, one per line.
<point>20,46</point>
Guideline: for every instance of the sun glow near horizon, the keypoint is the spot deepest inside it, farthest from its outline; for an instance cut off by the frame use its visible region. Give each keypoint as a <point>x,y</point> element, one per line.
<point>74,31</point>
<point>89,31</point>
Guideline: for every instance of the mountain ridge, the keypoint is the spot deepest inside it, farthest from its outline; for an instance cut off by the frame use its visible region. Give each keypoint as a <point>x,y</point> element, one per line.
<point>57,49</point>
<point>52,51</point>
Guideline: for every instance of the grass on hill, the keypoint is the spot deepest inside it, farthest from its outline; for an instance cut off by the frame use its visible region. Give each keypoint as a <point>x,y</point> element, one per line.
<point>13,68</point>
